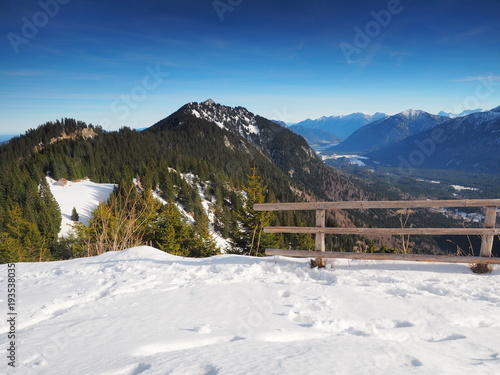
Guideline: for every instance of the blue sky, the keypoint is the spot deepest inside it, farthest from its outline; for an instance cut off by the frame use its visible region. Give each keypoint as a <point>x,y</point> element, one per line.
<point>132,63</point>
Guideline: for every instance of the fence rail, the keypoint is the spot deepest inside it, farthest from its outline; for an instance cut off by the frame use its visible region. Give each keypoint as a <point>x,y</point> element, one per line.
<point>487,233</point>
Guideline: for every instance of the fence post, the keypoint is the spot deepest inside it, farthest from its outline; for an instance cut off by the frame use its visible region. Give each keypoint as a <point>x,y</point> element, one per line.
<point>489,222</point>
<point>320,237</point>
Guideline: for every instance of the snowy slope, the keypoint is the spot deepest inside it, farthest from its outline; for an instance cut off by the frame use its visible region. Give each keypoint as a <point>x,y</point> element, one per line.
<point>237,119</point>
<point>223,244</point>
<point>143,311</point>
<point>84,195</point>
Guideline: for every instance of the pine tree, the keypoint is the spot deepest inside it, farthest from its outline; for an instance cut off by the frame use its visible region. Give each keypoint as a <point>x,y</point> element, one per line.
<point>172,233</point>
<point>253,221</point>
<point>74,215</point>
<point>49,214</point>
<point>21,241</point>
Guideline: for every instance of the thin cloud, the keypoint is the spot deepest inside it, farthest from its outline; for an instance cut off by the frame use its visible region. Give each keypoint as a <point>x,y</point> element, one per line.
<point>489,78</point>
<point>25,73</point>
<point>466,35</point>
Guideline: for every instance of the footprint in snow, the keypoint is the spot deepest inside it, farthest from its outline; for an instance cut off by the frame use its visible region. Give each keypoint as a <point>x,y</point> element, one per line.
<point>454,336</point>
<point>286,294</point>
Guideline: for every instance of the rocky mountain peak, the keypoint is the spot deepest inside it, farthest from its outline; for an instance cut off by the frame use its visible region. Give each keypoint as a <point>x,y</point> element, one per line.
<point>209,102</point>
<point>235,119</point>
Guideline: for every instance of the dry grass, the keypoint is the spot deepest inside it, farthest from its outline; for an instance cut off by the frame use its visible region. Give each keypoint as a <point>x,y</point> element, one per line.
<point>481,268</point>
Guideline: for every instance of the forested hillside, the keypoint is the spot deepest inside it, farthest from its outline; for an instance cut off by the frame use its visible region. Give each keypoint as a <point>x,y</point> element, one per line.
<point>222,167</point>
<point>181,183</point>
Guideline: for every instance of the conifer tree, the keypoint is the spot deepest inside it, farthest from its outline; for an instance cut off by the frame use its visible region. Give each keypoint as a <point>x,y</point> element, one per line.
<point>177,237</point>
<point>49,214</point>
<point>21,241</point>
<point>74,215</point>
<point>171,232</point>
<point>254,221</point>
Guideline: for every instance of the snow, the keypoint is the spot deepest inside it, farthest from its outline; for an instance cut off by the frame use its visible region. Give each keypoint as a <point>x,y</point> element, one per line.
<point>460,188</point>
<point>84,195</point>
<point>226,117</point>
<point>196,113</point>
<point>353,159</point>
<point>143,311</point>
<point>411,113</point>
<point>429,181</point>
<point>222,243</point>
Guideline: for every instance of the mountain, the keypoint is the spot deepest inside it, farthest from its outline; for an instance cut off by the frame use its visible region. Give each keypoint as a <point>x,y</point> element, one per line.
<point>342,126</point>
<point>315,136</point>
<point>195,175</point>
<point>384,132</point>
<point>285,149</point>
<point>463,113</point>
<point>198,163</point>
<point>463,143</point>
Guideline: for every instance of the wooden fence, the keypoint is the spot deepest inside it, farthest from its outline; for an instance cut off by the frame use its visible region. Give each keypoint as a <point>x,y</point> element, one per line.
<point>487,232</point>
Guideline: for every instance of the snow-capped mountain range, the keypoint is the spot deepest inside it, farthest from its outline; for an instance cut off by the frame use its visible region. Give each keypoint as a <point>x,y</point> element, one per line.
<point>469,143</point>
<point>387,131</point>
<point>341,126</point>
<point>463,113</point>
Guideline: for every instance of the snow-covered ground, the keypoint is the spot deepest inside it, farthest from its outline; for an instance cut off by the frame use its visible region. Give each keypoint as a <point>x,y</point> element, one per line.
<point>143,311</point>
<point>460,188</point>
<point>84,195</point>
<point>353,159</point>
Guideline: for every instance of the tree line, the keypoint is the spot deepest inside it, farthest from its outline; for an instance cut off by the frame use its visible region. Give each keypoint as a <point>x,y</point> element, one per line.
<point>30,218</point>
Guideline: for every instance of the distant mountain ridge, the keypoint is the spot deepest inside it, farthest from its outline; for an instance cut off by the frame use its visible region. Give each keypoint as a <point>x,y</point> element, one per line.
<point>470,143</point>
<point>463,113</point>
<point>342,126</point>
<point>387,131</point>
<point>315,136</point>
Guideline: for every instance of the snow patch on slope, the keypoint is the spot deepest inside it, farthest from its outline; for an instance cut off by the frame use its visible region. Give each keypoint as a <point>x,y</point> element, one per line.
<point>236,119</point>
<point>84,195</point>
<point>222,243</point>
